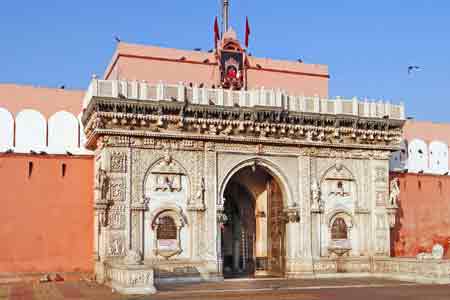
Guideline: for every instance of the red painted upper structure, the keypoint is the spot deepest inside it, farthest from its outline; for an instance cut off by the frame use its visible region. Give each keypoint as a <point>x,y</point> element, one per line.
<point>155,64</point>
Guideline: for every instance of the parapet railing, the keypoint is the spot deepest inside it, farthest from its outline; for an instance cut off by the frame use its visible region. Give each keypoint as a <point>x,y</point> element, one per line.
<point>140,90</point>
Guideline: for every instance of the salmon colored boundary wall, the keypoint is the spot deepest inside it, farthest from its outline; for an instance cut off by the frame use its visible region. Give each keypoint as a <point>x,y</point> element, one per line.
<point>423,218</point>
<point>46,218</point>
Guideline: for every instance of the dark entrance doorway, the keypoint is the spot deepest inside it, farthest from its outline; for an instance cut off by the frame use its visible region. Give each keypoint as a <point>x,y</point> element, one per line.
<point>253,237</point>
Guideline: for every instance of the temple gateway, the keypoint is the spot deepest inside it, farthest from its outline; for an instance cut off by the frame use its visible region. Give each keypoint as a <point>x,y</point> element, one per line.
<point>196,182</point>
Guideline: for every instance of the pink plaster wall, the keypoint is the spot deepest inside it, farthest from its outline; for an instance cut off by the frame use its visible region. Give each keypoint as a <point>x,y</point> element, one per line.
<point>154,64</point>
<point>46,218</point>
<point>423,218</point>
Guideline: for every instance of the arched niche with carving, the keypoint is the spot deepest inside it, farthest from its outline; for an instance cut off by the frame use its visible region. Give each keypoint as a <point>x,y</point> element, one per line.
<point>31,131</point>
<point>167,225</point>
<point>338,189</point>
<point>438,157</point>
<point>417,156</point>
<point>166,180</point>
<point>6,130</point>
<point>63,132</point>
<point>340,225</point>
<point>399,159</point>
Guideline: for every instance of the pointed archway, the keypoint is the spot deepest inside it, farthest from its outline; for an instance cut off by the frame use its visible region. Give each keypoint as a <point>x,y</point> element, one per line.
<point>253,236</point>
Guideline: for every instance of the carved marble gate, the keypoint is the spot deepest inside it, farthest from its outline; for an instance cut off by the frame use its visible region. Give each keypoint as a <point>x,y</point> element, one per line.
<point>162,168</point>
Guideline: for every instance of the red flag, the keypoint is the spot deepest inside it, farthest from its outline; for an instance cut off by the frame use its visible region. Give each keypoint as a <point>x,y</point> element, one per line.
<point>247,32</point>
<point>216,32</point>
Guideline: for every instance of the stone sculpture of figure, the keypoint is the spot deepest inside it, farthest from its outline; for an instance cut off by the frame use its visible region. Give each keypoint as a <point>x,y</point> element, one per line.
<point>315,193</point>
<point>101,176</point>
<point>394,192</point>
<point>133,257</point>
<point>116,247</point>
<point>102,182</point>
<point>201,192</point>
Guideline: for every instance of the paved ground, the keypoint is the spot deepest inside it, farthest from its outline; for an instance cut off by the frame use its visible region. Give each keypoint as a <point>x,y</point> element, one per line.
<point>329,289</point>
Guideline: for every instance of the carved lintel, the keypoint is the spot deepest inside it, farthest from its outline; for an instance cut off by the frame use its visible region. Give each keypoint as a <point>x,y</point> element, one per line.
<point>101,205</point>
<point>139,206</point>
<point>317,210</point>
<point>362,211</point>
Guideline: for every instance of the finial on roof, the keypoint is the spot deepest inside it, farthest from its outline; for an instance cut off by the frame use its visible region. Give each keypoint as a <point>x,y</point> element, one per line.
<point>225,14</point>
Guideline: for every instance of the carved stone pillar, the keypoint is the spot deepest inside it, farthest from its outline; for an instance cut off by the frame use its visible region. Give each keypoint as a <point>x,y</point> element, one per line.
<point>100,216</point>
<point>197,240</point>
<point>137,229</point>
<point>300,264</point>
<point>221,219</point>
<point>292,221</point>
<point>210,192</point>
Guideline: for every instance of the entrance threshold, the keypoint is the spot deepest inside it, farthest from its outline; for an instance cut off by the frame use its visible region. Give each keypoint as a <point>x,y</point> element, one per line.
<point>259,278</point>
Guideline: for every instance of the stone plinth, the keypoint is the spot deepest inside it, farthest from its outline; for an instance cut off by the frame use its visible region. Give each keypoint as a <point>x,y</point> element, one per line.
<point>131,280</point>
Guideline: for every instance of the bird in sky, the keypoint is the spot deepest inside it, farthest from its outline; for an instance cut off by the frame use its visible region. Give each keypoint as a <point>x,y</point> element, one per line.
<point>413,68</point>
<point>117,39</point>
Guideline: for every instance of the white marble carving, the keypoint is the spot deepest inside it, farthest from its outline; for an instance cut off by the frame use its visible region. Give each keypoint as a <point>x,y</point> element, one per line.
<point>394,192</point>
<point>436,253</point>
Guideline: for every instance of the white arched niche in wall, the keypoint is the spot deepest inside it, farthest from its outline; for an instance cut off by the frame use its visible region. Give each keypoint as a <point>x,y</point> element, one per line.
<point>438,157</point>
<point>399,159</point>
<point>62,133</point>
<point>417,156</point>
<point>6,130</point>
<point>31,131</point>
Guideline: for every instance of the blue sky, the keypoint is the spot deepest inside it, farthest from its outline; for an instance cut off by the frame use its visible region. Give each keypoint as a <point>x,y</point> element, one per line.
<point>368,45</point>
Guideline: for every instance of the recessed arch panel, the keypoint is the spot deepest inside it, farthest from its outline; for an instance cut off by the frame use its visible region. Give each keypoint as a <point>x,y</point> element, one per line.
<point>417,156</point>
<point>31,131</point>
<point>270,167</point>
<point>63,132</point>
<point>438,157</point>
